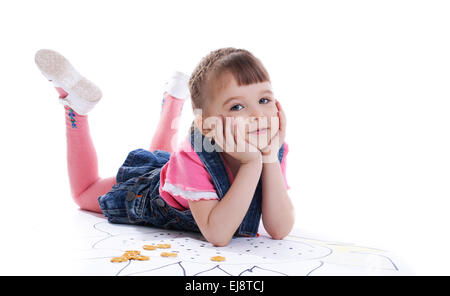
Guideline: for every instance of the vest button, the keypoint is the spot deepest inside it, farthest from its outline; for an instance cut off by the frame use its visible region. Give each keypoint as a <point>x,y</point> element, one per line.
<point>159,202</point>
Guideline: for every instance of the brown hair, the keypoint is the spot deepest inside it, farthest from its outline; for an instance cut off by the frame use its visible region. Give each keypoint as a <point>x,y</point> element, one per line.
<point>243,65</point>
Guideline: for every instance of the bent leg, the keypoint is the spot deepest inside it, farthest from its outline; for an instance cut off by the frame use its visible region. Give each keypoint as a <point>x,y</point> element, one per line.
<point>86,186</point>
<point>87,200</point>
<point>166,134</point>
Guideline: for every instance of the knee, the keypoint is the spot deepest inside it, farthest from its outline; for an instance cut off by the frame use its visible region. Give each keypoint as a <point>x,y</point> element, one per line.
<point>88,199</point>
<point>87,202</point>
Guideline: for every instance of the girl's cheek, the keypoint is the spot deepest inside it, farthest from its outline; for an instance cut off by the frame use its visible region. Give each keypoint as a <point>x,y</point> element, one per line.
<point>273,132</point>
<point>273,109</point>
<point>274,125</point>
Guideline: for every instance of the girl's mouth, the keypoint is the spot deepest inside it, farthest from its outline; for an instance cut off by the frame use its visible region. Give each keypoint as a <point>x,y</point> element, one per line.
<point>259,131</point>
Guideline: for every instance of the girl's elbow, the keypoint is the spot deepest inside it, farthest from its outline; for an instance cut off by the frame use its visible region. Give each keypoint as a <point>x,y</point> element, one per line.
<point>218,241</point>
<point>278,236</point>
<point>223,243</point>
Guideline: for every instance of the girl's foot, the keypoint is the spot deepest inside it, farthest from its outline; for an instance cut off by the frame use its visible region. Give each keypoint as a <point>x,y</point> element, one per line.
<point>75,91</point>
<point>178,85</point>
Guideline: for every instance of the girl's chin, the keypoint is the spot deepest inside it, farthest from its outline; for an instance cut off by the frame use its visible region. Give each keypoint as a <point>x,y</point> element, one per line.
<point>260,147</point>
<point>260,141</point>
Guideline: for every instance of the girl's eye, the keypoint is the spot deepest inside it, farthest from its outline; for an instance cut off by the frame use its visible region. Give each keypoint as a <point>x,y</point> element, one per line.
<point>235,107</point>
<point>264,100</point>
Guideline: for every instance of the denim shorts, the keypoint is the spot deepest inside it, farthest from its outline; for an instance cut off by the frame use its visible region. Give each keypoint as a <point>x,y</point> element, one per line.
<point>135,198</point>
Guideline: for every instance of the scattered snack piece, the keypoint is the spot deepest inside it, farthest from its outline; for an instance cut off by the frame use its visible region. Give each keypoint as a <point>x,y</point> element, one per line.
<point>149,247</point>
<point>142,258</point>
<point>165,254</point>
<point>129,255</point>
<point>218,258</point>
<point>119,259</point>
<point>134,252</point>
<point>163,246</point>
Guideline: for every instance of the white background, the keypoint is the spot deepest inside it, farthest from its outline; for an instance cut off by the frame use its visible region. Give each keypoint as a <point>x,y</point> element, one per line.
<point>364,84</point>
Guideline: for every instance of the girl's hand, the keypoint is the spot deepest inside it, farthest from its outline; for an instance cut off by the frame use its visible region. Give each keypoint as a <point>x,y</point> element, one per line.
<point>270,152</point>
<point>229,134</point>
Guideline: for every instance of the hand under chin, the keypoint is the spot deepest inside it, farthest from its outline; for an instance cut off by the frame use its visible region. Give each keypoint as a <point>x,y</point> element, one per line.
<point>259,141</point>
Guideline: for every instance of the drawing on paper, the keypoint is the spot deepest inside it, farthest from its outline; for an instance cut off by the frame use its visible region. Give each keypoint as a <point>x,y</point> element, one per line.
<point>294,255</point>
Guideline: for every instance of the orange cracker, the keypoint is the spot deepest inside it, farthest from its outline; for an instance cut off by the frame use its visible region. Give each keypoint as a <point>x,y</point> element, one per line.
<point>130,256</point>
<point>142,258</point>
<point>166,254</point>
<point>218,258</point>
<point>119,259</point>
<point>163,246</point>
<point>149,247</point>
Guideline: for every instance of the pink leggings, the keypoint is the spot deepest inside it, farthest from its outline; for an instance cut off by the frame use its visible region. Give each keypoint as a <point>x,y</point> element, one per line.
<point>86,186</point>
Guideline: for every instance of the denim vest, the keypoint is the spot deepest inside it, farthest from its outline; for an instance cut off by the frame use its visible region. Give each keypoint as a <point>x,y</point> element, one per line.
<point>208,151</point>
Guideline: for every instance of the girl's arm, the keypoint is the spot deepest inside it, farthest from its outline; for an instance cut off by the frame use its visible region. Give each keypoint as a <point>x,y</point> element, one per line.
<point>277,210</point>
<point>219,220</point>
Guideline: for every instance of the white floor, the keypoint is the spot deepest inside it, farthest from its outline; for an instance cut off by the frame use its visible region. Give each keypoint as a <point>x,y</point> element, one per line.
<point>83,244</point>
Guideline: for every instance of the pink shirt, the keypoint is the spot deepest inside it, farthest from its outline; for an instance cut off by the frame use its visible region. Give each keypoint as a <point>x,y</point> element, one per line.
<point>184,177</point>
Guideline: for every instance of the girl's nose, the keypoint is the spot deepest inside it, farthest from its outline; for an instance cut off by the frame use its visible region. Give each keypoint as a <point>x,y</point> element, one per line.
<point>257,122</point>
<point>254,119</point>
<point>256,115</point>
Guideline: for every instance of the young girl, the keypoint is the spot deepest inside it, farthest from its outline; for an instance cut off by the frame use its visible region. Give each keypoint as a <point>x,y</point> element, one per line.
<point>227,173</point>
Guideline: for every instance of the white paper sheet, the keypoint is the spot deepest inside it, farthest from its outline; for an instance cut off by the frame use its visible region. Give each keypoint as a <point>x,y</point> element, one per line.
<point>297,254</point>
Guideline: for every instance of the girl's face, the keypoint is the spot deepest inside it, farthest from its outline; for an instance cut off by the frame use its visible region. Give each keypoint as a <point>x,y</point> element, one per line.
<point>253,104</point>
